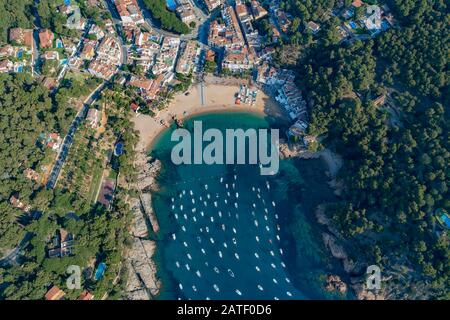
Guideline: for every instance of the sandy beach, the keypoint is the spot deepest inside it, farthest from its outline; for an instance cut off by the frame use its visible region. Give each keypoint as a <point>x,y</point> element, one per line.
<point>216,97</point>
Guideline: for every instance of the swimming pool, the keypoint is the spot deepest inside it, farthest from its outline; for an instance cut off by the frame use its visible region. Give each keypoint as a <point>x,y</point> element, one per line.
<point>100,271</point>
<point>171,4</point>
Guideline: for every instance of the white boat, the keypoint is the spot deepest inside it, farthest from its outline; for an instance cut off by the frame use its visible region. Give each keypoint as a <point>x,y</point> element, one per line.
<point>259,197</point>
<point>176,216</point>
<point>237,216</point>
<point>283,265</point>
<point>278,237</point>
<point>276,216</point>
<point>215,204</point>
<point>212,219</point>
<point>268,185</point>
<point>208,196</point>
<point>265,210</point>
<point>273,266</point>
<point>194,288</point>
<point>265,217</point>
<point>253,213</point>
<point>225,245</point>
<point>220,214</point>
<point>236,256</point>
<point>187,267</point>
<point>194,210</point>
<point>226,185</point>
<point>235,205</point>
<point>288,281</point>
<point>221,180</point>
<point>185,244</point>
<point>235,177</point>
<point>257,238</point>
<point>231,273</point>
<point>181,207</point>
<point>220,254</point>
<point>275,281</point>
<point>216,270</point>
<point>272,253</point>
<point>184,192</point>
<point>174,237</point>
<point>267,228</point>
<point>203,251</point>
<point>202,214</point>
<point>193,201</point>
<point>216,288</point>
<point>206,187</point>
<point>205,204</point>
<point>260,287</point>
<point>207,229</point>
<point>173,207</point>
<point>273,203</point>
<point>226,201</point>
<point>194,218</point>
<point>256,255</point>
<point>183,228</point>
<point>228,194</point>
<point>234,241</point>
<point>238,292</point>
<point>253,189</point>
<point>237,195</point>
<point>177,264</point>
<point>198,274</point>
<point>254,205</point>
<point>281,251</point>
<point>289,294</point>
<point>258,269</point>
<point>234,230</point>
<point>212,240</point>
<point>256,223</point>
<point>233,185</point>
<point>189,256</point>
<point>180,286</point>
<point>173,199</point>
<point>185,216</point>
<point>278,227</point>
<point>223,227</point>
<point>199,239</point>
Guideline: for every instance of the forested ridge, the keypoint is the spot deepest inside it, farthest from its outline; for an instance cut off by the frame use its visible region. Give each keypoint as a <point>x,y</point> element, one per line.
<point>396,158</point>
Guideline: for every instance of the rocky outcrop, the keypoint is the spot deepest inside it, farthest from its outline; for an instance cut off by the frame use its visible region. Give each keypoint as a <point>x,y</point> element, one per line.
<point>142,282</point>
<point>147,171</point>
<point>146,202</point>
<point>338,251</point>
<point>362,293</point>
<point>335,284</point>
<point>138,226</point>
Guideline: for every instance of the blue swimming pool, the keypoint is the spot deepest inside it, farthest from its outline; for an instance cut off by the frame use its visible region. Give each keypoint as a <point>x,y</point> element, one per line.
<point>353,25</point>
<point>118,150</point>
<point>171,4</point>
<point>100,271</point>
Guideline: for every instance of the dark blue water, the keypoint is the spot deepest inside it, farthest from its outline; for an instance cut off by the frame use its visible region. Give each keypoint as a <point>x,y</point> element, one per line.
<point>223,227</point>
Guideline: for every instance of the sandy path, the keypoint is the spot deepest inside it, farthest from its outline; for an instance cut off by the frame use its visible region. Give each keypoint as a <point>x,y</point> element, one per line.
<point>216,98</point>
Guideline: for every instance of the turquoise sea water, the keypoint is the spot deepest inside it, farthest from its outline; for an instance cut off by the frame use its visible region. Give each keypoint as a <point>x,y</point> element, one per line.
<point>224,228</point>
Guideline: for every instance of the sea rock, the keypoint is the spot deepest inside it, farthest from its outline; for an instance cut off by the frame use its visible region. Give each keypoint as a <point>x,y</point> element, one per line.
<point>142,271</point>
<point>138,226</point>
<point>148,170</point>
<point>335,283</point>
<point>146,202</point>
<point>336,250</point>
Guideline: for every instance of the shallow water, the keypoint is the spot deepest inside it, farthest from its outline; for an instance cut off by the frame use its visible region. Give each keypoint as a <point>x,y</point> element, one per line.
<point>223,227</point>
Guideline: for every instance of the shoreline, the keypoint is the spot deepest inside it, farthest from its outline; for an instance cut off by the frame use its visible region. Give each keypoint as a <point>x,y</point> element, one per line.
<point>216,99</point>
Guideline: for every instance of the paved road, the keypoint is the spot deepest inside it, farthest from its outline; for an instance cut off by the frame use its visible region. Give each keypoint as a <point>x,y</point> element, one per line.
<point>118,26</point>
<point>12,256</point>
<point>65,147</point>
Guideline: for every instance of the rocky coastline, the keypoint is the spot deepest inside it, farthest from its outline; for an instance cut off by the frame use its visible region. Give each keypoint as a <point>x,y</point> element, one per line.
<point>142,281</point>
<point>331,237</point>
